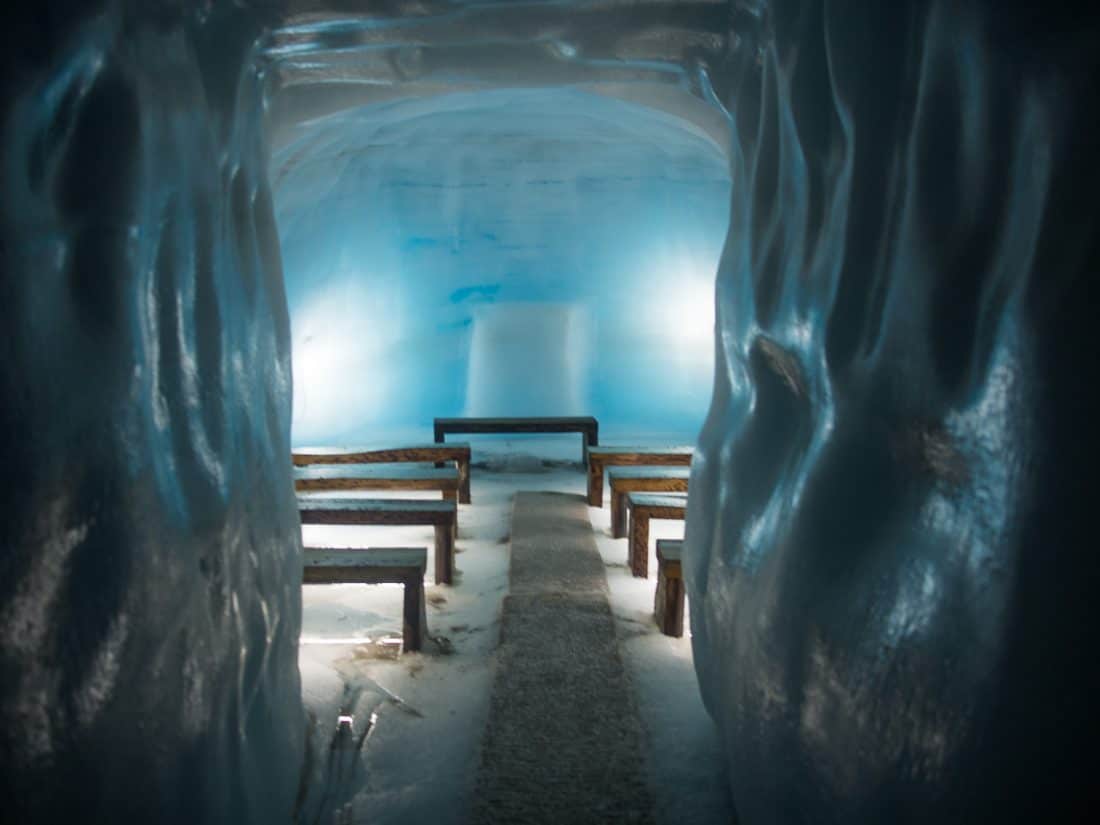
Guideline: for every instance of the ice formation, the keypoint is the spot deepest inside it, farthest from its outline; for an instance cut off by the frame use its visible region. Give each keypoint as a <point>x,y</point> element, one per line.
<point>891,591</point>
<point>889,527</point>
<point>149,596</point>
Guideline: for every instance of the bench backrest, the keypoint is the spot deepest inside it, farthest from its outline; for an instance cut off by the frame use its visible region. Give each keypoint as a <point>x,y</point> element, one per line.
<point>455,451</point>
<point>519,421</point>
<point>637,454</point>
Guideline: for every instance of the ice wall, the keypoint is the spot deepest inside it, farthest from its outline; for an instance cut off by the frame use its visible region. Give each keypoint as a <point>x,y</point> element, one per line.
<point>149,550</point>
<point>500,252</point>
<point>527,359</point>
<point>890,538</point>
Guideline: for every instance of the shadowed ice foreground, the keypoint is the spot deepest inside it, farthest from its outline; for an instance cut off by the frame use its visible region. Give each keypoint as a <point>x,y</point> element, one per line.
<point>889,567</point>
<point>149,549</point>
<point>888,552</point>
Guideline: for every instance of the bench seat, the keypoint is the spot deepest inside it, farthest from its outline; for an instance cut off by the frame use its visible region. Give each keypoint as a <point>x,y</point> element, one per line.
<point>459,453</point>
<point>625,480</point>
<point>643,508</point>
<point>442,515</point>
<point>376,565</point>
<point>586,425</point>
<point>320,477</point>
<point>600,458</point>
<point>668,601</point>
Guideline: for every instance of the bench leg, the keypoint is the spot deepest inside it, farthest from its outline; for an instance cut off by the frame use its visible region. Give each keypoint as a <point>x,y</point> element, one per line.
<point>591,438</point>
<point>444,553</point>
<point>464,482</point>
<point>415,614</point>
<point>668,603</point>
<point>595,483</point>
<point>450,495</point>
<point>639,543</point>
<point>619,521</point>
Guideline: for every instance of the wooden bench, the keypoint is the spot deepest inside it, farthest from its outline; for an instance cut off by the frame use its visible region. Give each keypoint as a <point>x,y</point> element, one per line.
<point>319,477</point>
<point>643,508</point>
<point>625,480</point>
<point>442,515</point>
<point>397,565</point>
<point>599,458</point>
<point>668,602</point>
<point>587,426</point>
<point>434,453</point>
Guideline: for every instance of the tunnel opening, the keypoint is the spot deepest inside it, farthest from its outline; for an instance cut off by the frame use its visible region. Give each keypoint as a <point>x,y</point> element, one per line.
<point>530,251</point>
<point>533,249</point>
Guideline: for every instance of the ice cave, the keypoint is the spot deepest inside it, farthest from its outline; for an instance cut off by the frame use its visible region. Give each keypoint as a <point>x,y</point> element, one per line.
<point>328,320</point>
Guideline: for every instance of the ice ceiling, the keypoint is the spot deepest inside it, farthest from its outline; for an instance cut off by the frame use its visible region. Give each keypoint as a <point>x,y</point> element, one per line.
<point>496,225</point>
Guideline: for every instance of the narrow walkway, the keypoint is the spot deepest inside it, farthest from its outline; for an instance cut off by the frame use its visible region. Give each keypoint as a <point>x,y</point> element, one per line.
<point>563,742</point>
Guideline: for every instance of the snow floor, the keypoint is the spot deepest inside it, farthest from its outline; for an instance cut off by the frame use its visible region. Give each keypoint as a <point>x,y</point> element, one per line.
<point>425,712</point>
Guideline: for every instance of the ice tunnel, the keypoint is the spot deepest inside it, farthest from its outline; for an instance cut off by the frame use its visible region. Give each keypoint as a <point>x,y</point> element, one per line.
<point>852,245</point>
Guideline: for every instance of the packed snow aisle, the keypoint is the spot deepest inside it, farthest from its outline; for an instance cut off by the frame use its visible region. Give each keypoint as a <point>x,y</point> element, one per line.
<point>428,711</point>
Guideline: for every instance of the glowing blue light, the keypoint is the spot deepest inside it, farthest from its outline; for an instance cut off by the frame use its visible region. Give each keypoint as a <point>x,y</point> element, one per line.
<point>503,252</point>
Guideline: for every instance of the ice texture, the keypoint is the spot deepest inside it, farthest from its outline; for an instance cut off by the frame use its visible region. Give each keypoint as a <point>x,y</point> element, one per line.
<point>500,252</point>
<point>150,566</point>
<point>890,540</point>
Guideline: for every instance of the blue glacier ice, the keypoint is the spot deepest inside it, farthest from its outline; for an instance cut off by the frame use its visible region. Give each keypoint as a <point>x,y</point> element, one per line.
<point>150,546</point>
<point>889,537</point>
<point>542,252</point>
<point>220,217</point>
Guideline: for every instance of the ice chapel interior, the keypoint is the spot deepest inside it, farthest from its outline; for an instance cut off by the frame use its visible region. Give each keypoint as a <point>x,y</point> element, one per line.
<point>556,411</point>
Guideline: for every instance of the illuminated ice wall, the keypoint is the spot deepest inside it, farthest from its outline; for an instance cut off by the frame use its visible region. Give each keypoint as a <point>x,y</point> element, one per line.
<point>500,252</point>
